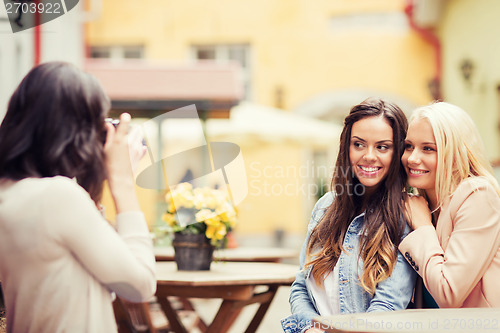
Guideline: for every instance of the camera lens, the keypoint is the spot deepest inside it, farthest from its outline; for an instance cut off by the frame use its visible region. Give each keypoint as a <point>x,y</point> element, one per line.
<point>112,121</point>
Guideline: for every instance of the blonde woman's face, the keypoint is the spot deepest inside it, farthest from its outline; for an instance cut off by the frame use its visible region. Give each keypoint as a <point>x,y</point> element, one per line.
<point>420,155</point>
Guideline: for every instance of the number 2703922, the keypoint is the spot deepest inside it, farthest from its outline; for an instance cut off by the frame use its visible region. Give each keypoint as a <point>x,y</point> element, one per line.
<point>32,8</point>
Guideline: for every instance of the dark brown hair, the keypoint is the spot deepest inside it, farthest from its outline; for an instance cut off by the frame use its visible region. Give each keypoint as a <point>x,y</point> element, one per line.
<point>384,226</point>
<point>54,126</point>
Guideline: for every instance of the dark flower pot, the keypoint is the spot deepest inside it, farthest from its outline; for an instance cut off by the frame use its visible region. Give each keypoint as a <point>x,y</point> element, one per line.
<point>192,252</point>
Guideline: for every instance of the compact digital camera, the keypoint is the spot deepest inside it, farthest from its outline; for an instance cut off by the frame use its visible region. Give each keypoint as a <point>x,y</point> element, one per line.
<point>114,122</point>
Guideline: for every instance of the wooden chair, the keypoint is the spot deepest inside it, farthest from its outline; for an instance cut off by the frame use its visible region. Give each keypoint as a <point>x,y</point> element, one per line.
<point>138,318</point>
<point>149,318</point>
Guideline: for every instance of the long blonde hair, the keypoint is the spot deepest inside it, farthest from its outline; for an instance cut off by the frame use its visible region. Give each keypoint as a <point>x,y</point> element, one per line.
<point>460,150</point>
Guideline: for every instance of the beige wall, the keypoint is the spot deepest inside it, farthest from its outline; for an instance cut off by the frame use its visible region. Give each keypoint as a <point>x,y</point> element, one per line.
<point>271,189</point>
<point>470,30</point>
<point>292,42</point>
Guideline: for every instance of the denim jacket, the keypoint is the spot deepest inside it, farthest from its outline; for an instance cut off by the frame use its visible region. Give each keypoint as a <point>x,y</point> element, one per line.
<point>394,293</point>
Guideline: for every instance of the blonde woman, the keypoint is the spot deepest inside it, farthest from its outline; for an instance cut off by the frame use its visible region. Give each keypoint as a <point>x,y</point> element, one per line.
<point>455,245</point>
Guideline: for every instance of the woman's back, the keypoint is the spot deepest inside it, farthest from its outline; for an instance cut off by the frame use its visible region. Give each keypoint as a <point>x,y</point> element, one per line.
<point>472,216</point>
<point>60,260</point>
<point>50,236</point>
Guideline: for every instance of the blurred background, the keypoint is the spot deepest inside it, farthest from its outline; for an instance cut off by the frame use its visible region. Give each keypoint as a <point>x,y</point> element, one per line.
<point>276,77</point>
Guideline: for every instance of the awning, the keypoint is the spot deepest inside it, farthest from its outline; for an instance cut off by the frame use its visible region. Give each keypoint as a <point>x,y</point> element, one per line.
<point>146,89</point>
<point>251,122</point>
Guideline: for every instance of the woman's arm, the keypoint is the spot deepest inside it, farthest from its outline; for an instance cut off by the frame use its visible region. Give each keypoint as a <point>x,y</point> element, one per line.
<point>303,309</point>
<point>300,302</point>
<point>451,274</point>
<point>121,259</point>
<point>121,157</point>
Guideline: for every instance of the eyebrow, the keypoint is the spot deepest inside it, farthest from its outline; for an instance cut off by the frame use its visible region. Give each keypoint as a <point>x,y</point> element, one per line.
<point>361,139</point>
<point>423,143</point>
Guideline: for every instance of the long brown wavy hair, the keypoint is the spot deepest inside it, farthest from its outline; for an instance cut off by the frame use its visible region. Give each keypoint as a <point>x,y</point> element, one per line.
<point>384,215</point>
<point>54,126</point>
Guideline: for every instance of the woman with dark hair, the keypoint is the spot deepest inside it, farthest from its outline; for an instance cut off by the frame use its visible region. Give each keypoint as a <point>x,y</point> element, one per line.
<point>60,261</point>
<point>350,261</point>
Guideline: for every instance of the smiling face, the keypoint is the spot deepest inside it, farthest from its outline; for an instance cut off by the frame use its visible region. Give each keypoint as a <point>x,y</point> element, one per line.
<point>370,150</point>
<point>420,156</point>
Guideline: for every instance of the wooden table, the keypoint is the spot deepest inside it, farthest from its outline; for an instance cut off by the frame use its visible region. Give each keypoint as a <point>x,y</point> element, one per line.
<point>239,254</point>
<point>421,320</point>
<point>234,282</point>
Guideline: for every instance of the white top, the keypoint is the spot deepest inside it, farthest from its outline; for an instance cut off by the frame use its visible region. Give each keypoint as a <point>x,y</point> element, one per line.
<point>326,296</point>
<point>60,259</point>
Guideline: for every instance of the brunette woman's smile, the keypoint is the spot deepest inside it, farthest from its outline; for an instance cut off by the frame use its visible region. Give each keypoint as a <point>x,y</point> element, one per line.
<point>369,171</point>
<point>371,150</point>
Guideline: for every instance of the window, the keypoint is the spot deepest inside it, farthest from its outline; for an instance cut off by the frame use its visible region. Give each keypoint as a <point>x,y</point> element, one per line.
<point>100,52</point>
<point>223,53</point>
<point>117,52</point>
<point>205,53</point>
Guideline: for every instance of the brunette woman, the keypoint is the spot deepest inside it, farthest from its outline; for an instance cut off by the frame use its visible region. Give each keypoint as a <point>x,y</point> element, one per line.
<point>60,260</point>
<point>350,261</point>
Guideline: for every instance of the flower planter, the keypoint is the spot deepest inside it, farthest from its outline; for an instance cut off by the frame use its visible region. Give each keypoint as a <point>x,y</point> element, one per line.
<point>193,252</point>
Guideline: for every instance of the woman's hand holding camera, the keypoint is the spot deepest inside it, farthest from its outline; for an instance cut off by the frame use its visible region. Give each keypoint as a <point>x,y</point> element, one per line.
<point>123,153</point>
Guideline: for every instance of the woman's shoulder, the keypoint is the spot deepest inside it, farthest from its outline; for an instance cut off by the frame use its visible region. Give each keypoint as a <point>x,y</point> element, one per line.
<point>321,206</point>
<point>326,200</point>
<point>36,185</point>
<point>482,189</point>
<point>60,182</point>
<point>52,188</point>
<point>43,192</point>
<point>474,184</point>
<point>56,182</point>
<point>65,188</point>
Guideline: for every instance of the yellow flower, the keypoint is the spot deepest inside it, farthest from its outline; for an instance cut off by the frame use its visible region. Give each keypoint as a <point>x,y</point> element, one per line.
<point>227,213</point>
<point>203,214</point>
<point>184,187</point>
<point>182,199</point>
<point>216,232</point>
<point>208,217</point>
<point>211,207</point>
<point>169,219</point>
<point>199,199</point>
<point>170,203</point>
<point>211,200</point>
